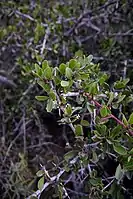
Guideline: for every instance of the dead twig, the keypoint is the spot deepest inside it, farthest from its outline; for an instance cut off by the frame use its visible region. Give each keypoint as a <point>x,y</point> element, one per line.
<point>87,14</point>
<point>6,82</point>
<point>45,40</point>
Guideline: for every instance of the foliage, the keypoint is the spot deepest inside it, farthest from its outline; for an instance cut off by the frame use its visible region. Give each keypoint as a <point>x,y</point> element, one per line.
<point>34,31</point>
<point>79,91</point>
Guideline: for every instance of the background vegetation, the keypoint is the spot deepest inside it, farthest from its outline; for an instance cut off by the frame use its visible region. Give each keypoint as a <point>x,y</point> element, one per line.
<point>33,31</point>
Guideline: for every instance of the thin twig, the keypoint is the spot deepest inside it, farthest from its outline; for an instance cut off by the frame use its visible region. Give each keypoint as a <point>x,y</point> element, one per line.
<point>108,185</point>
<point>28,17</point>
<point>5,81</point>
<point>24,132</point>
<point>45,39</point>
<point>52,180</point>
<point>82,16</point>
<point>110,115</point>
<point>3,122</point>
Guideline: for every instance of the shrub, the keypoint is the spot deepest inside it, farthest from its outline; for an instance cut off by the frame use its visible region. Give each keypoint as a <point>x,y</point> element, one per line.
<point>100,160</point>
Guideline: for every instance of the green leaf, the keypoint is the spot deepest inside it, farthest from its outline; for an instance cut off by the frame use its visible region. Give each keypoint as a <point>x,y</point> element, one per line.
<point>68,73</point>
<point>90,58</point>
<point>60,191</point>
<point>120,98</point>
<point>103,129</point>
<point>40,183</point>
<point>118,173</point>
<point>63,100</point>
<point>56,80</point>
<point>96,132</point>
<point>27,68</point>
<point>48,74</point>
<point>62,68</point>
<point>90,107</point>
<point>33,197</point>
<point>68,110</point>
<point>130,121</point>
<point>128,165</point>
<point>84,123</point>
<point>121,84</point>
<point>92,88</point>
<point>103,78</point>
<point>84,76</point>
<point>124,120</point>
<point>111,97</point>
<point>119,149</point>
<point>64,83</point>
<point>45,64</point>
<point>94,156</point>
<point>49,105</point>
<point>40,173</point>
<point>79,53</point>
<point>96,181</point>
<point>104,111</point>
<point>78,130</point>
<point>115,131</point>
<point>39,31</point>
<point>73,64</point>
<point>69,155</point>
<point>125,81</point>
<point>38,69</point>
<point>52,95</point>
<point>129,158</point>
<point>38,57</point>
<point>46,87</point>
<point>41,98</point>
<point>131,152</point>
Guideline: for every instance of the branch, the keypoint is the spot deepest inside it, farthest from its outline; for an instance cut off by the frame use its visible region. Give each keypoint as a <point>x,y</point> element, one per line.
<point>45,40</point>
<point>51,181</point>
<point>28,17</point>
<point>128,33</point>
<point>88,13</point>
<point>109,116</point>
<point>5,81</point>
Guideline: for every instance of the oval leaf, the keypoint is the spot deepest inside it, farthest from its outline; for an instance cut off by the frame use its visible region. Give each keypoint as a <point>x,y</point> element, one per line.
<point>49,105</point>
<point>119,149</point>
<point>118,173</point>
<point>45,64</point>
<point>84,123</point>
<point>104,111</point>
<point>48,73</point>
<point>62,68</point>
<point>124,120</point>
<point>68,73</point>
<point>40,173</point>
<point>131,119</point>
<point>78,130</point>
<point>41,98</point>
<point>69,155</point>
<point>64,83</point>
<point>41,183</point>
<point>68,110</point>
